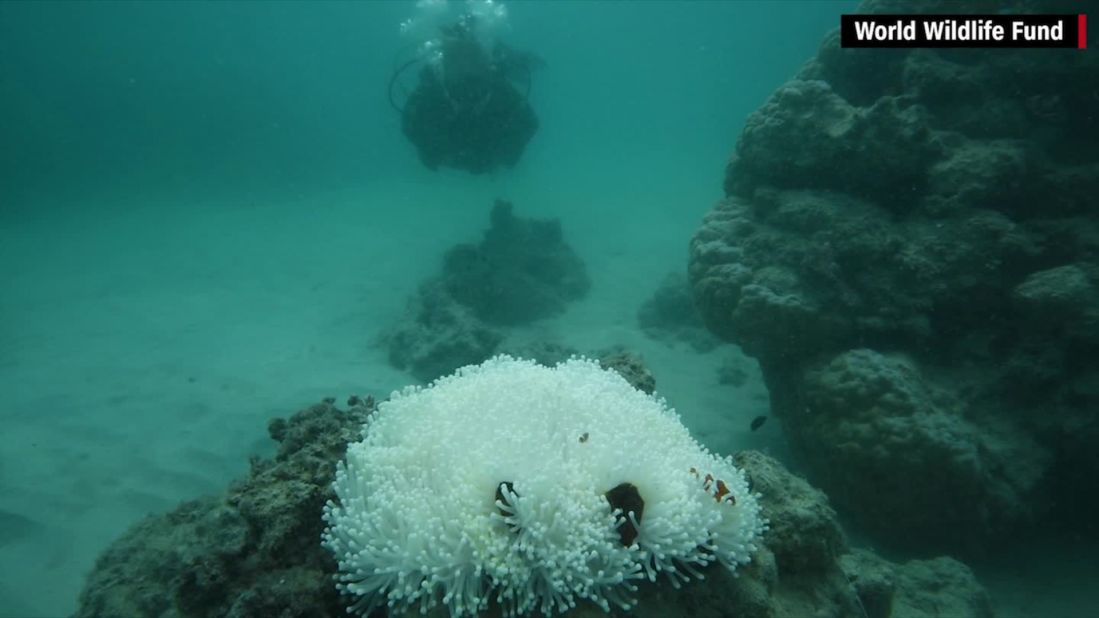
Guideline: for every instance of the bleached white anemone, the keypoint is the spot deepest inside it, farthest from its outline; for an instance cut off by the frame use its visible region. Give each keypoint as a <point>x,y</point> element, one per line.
<point>532,487</point>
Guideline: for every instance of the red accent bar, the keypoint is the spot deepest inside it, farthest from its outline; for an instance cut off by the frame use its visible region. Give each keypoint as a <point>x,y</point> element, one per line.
<point>1082,31</point>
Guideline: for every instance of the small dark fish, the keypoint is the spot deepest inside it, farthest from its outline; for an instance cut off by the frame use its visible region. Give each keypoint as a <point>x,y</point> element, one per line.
<point>758,422</point>
<point>584,438</point>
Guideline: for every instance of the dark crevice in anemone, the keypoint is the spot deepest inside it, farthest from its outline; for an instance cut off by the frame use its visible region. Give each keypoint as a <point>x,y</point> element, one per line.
<point>626,497</point>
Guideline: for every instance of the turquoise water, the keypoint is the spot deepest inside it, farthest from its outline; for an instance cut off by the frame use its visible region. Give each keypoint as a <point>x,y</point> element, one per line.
<point>208,213</point>
<point>217,100</point>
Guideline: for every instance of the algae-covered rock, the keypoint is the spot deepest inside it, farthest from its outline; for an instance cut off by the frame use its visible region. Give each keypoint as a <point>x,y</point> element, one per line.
<point>255,550</point>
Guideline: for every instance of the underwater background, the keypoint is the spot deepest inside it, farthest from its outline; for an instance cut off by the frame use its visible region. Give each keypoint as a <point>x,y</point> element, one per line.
<point>209,215</point>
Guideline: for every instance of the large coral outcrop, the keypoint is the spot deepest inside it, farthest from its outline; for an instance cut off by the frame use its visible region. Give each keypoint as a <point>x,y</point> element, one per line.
<point>908,246</point>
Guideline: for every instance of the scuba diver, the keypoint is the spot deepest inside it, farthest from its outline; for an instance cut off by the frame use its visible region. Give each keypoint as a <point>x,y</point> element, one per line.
<point>470,108</point>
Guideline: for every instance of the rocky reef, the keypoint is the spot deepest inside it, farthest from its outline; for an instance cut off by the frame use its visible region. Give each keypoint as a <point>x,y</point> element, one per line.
<point>520,272</point>
<point>254,551</point>
<point>909,247</point>
<point>669,315</point>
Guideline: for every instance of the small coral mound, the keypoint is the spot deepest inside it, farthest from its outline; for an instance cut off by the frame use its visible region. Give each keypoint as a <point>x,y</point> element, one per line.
<point>522,271</point>
<point>533,488</point>
<point>670,315</point>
